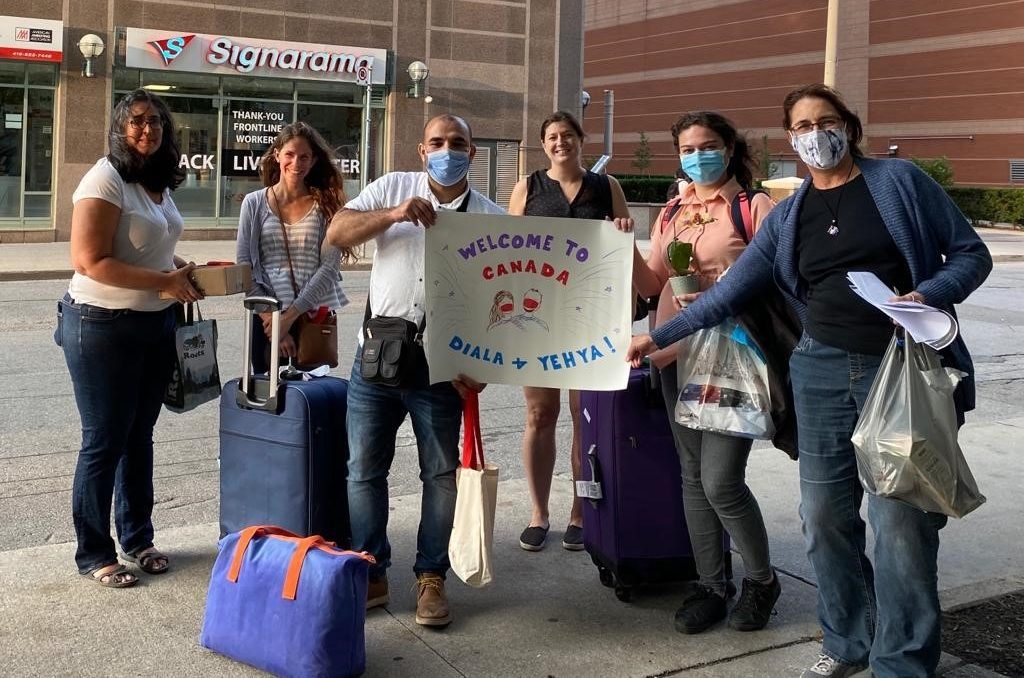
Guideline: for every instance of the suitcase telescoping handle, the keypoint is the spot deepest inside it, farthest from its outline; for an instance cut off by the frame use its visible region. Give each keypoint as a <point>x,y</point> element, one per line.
<point>248,395</point>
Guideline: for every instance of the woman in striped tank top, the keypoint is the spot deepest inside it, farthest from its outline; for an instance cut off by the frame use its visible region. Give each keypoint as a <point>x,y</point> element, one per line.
<point>281,234</point>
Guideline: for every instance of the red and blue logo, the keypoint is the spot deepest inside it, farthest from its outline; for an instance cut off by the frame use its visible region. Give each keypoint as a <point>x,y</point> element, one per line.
<point>170,49</point>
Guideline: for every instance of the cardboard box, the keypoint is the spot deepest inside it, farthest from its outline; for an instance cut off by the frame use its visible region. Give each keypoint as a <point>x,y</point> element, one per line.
<point>220,279</point>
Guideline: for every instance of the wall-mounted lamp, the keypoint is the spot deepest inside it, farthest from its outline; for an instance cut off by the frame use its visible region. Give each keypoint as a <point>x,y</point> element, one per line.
<point>894,149</point>
<point>418,73</point>
<point>91,46</point>
<point>584,100</point>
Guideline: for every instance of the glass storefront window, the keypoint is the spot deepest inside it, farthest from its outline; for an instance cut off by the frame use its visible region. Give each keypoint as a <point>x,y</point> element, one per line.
<point>331,92</point>
<point>169,82</point>
<point>125,81</point>
<point>12,72</point>
<point>258,87</point>
<point>341,128</point>
<point>26,141</point>
<point>11,133</point>
<point>249,130</point>
<point>195,121</point>
<point>224,125</point>
<point>37,206</point>
<point>41,74</point>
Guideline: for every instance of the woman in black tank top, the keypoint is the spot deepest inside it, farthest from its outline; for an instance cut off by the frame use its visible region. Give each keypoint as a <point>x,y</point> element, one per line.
<point>565,189</point>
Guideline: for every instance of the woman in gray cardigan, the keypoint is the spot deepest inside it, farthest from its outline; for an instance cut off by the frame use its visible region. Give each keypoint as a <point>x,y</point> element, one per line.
<point>281,233</point>
<point>853,214</point>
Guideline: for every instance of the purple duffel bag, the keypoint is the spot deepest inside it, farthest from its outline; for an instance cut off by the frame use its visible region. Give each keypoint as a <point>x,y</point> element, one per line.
<point>290,605</point>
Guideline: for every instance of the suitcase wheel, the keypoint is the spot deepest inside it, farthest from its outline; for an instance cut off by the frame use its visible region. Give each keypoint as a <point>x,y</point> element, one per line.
<point>624,593</point>
<point>606,576</point>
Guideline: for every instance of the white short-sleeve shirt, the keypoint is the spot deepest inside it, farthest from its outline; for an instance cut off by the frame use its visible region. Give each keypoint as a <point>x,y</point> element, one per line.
<point>396,283</point>
<point>146,236</point>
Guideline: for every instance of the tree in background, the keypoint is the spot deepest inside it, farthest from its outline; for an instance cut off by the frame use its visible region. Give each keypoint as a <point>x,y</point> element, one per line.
<point>938,169</point>
<point>765,167</point>
<point>642,154</point>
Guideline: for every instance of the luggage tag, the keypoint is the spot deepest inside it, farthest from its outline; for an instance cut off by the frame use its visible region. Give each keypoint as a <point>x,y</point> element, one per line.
<point>587,489</point>
<point>591,489</point>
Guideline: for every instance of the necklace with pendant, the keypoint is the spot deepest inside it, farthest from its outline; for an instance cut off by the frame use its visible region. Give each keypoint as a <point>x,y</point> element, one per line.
<point>833,227</point>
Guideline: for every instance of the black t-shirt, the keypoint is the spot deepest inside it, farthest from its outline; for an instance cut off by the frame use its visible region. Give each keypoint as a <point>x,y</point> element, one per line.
<point>837,316</point>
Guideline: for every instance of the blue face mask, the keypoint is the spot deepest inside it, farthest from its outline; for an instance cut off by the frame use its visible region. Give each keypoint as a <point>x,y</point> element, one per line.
<point>447,167</point>
<point>704,167</point>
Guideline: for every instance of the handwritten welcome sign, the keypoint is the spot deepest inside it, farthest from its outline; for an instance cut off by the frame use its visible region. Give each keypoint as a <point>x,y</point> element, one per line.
<point>531,301</point>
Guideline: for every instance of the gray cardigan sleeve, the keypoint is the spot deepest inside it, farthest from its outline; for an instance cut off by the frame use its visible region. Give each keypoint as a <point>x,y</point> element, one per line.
<point>247,247</point>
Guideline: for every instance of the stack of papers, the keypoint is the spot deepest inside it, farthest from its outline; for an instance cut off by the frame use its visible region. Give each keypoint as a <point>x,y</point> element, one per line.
<point>926,324</point>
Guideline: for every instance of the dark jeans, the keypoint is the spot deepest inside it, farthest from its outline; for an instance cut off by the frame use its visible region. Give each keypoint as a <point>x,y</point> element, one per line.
<point>887,614</point>
<point>374,414</point>
<point>120,362</point>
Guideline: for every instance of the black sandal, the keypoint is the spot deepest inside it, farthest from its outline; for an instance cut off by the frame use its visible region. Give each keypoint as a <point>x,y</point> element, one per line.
<point>117,578</point>
<point>149,560</point>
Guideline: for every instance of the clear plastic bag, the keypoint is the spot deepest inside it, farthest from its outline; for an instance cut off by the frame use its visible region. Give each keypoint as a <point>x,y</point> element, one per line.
<point>723,384</point>
<point>906,437</point>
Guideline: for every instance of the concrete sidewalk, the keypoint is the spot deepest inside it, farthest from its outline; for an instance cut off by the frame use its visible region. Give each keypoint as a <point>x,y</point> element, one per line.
<point>50,261</point>
<point>546,614</point>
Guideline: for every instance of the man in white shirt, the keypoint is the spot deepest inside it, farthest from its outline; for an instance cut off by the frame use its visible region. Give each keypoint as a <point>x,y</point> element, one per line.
<point>393,211</point>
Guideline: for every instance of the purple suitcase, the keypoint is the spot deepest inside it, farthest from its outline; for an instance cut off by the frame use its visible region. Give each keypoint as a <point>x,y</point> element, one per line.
<point>636,532</point>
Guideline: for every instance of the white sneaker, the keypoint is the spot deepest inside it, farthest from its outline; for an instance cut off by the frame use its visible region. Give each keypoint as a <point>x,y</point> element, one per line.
<point>832,668</point>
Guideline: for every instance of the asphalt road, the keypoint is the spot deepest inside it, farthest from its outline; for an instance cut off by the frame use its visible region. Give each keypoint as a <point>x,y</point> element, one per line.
<point>40,434</point>
<point>40,429</point>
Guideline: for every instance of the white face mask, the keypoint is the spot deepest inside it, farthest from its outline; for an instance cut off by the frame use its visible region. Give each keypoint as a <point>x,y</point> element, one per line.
<point>821,149</point>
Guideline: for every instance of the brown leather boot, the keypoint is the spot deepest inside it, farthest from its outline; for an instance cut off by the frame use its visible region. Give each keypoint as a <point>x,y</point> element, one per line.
<point>431,602</point>
<point>377,592</point>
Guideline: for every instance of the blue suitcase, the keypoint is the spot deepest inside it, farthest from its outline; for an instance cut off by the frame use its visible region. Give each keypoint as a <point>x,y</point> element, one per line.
<point>283,449</point>
<point>633,526</point>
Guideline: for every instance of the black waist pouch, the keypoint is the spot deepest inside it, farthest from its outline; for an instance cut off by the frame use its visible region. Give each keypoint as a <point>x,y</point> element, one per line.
<point>392,353</point>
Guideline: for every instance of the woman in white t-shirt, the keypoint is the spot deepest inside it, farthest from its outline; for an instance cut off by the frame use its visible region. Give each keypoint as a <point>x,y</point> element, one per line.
<point>118,334</point>
<point>281,233</point>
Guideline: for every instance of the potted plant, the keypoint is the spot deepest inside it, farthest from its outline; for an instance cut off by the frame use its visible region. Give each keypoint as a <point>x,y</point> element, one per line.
<point>679,255</point>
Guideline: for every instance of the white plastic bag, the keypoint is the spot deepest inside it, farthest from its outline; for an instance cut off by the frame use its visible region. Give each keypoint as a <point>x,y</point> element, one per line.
<point>906,437</point>
<point>470,546</point>
<point>723,384</point>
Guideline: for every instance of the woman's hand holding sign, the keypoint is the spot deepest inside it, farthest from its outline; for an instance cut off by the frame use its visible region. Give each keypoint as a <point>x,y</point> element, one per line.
<point>641,346</point>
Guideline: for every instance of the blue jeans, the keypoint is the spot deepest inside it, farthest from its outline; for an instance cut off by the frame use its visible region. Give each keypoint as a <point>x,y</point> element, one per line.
<point>120,362</point>
<point>887,616</point>
<point>374,414</point>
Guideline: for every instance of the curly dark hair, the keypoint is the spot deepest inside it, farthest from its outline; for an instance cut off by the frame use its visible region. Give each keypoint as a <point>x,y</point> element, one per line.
<point>740,162</point>
<point>156,171</point>
<point>324,179</point>
<point>854,128</point>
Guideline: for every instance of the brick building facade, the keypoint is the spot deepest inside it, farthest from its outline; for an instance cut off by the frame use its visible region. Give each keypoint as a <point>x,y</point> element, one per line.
<point>928,78</point>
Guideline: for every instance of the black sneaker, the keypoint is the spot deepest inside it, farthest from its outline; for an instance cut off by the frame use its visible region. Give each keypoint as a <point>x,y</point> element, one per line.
<point>572,540</point>
<point>754,608</point>
<point>701,609</point>
<point>533,538</point>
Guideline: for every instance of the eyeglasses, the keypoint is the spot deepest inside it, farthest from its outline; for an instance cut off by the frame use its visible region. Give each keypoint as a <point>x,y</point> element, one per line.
<point>828,123</point>
<point>139,124</point>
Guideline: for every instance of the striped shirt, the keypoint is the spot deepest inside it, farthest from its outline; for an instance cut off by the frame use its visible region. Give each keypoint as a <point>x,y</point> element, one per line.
<point>316,263</point>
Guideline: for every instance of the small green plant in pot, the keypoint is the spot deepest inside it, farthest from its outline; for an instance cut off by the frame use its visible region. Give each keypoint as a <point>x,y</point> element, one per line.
<point>679,255</point>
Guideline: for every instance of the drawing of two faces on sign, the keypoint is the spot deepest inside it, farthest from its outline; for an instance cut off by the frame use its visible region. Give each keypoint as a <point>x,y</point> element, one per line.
<point>503,310</point>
